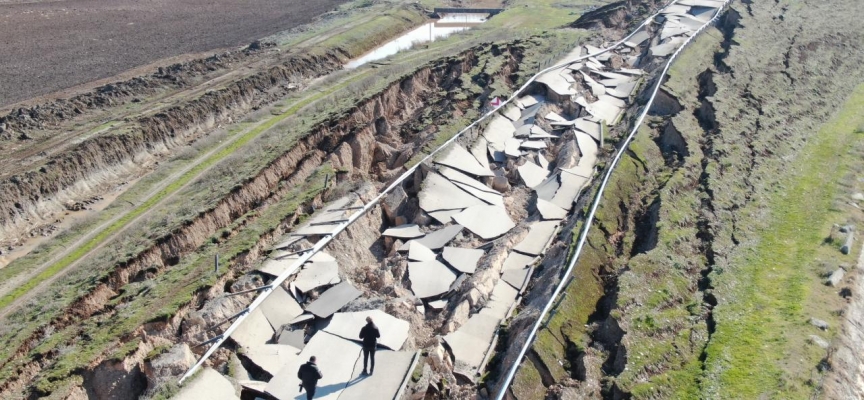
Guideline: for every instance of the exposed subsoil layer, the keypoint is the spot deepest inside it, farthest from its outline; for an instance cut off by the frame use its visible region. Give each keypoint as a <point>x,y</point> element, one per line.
<point>50,46</point>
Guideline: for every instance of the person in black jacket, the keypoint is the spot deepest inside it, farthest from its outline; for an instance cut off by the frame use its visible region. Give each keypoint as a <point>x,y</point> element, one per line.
<point>369,334</point>
<point>309,374</point>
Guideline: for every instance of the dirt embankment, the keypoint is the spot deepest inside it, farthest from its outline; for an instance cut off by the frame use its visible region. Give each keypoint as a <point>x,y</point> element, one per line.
<point>30,196</point>
<point>369,142</point>
<point>687,200</point>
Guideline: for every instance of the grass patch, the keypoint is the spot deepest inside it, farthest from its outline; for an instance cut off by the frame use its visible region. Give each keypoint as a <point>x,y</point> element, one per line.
<point>763,310</point>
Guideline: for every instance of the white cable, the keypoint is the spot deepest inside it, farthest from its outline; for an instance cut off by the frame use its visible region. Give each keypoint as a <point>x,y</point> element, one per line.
<point>590,219</point>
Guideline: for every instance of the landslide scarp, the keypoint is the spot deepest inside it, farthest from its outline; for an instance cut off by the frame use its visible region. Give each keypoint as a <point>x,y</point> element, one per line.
<point>139,303</point>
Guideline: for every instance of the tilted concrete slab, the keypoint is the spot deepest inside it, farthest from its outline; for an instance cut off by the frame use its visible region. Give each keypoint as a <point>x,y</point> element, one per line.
<point>517,261</point>
<point>459,177</point>
<point>391,368</point>
<point>538,133</point>
<point>280,308</point>
<point>439,193</point>
<point>512,113</point>
<point>486,221</point>
<point>498,131</point>
<point>317,274</point>
<point>255,330</point>
<point>336,358</point>
<point>555,117</point>
<point>547,189</point>
<point>461,259</point>
<point>295,338</point>
<point>522,132</point>
<point>272,357</point>
<point>703,13</point>
<point>459,158</point>
<point>333,299</point>
<point>438,239</point>
<point>438,304</point>
<point>487,197</point>
<point>532,174</point>
<point>550,211</point>
<point>540,232</point>
<point>516,277</point>
<point>209,385</point>
<point>394,331</point>
<point>584,169</point>
<point>478,150</point>
<point>571,185</point>
<point>589,127</point>
<point>675,9</point>
<point>429,278</point>
<point>511,148</point>
<point>471,341</point>
<point>419,252</point>
<point>556,83</point>
<point>588,148</point>
<point>665,49</point>
<point>444,216</point>
<point>605,111</point>
<point>500,300</point>
<point>276,267</point>
<point>638,38</point>
<point>533,145</point>
<point>542,161</point>
<point>407,231</point>
<point>286,243</point>
<point>530,100</point>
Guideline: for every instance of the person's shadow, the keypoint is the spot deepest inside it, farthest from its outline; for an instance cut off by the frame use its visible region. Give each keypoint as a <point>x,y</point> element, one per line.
<point>323,391</point>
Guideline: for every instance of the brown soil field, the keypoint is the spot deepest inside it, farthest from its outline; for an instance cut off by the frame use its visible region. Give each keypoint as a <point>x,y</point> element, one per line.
<point>53,45</point>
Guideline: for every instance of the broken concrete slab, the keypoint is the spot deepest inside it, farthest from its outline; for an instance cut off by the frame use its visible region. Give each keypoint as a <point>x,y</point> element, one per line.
<point>571,185</point>
<point>539,235</point>
<point>437,304</point>
<point>336,360</point>
<point>542,161</point>
<point>532,174</point>
<point>498,131</point>
<point>458,177</point>
<point>333,299</point>
<point>589,127</point>
<point>429,278</point>
<point>530,100</point>
<point>487,197</point>
<point>255,330</point>
<point>604,110</point>
<point>478,150</point>
<point>419,252</point>
<point>588,148</point>
<point>637,39</point>
<point>512,113</point>
<point>272,357</point>
<point>556,83</point>
<point>394,331</point>
<point>444,216</point>
<point>533,145</point>
<point>209,385</point>
<point>550,211</point>
<point>276,267</point>
<point>280,308</point>
<point>500,300</point>
<point>511,147</point>
<point>665,49</point>
<point>584,169</point>
<point>407,231</point>
<point>439,193</point>
<point>316,275</point>
<point>517,261</point>
<point>516,277</point>
<point>438,239</point>
<point>286,243</point>
<point>547,189</point>
<point>295,338</point>
<point>459,158</point>
<point>391,369</point>
<point>471,341</point>
<point>461,259</point>
<point>539,133</point>
<point>486,221</point>
<point>554,117</point>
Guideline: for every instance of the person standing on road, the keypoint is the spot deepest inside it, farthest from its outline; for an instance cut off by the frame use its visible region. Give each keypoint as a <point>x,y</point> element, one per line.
<point>369,334</point>
<point>309,375</point>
